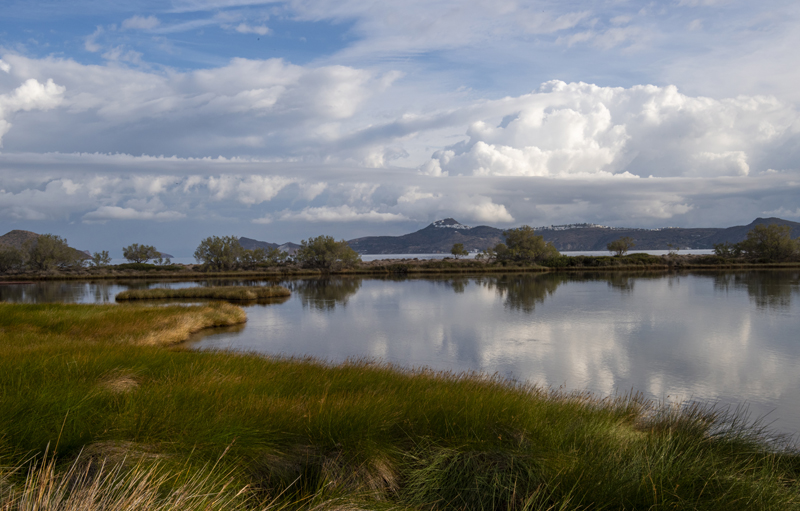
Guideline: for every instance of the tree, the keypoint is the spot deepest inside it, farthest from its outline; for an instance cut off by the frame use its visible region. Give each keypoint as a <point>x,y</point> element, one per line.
<point>727,249</point>
<point>101,258</point>
<point>488,254</point>
<point>324,253</point>
<point>49,251</point>
<point>139,253</point>
<point>523,245</point>
<point>458,250</point>
<point>771,242</point>
<point>219,253</point>
<point>11,258</point>
<point>252,258</point>
<point>620,246</point>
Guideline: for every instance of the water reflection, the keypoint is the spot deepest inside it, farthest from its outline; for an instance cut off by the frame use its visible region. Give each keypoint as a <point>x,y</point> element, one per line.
<point>58,291</point>
<point>523,292</point>
<point>324,294</point>
<point>767,289</point>
<point>730,337</point>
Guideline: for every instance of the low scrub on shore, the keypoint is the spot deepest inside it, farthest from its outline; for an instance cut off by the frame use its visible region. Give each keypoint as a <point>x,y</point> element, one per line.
<point>233,293</point>
<point>97,385</point>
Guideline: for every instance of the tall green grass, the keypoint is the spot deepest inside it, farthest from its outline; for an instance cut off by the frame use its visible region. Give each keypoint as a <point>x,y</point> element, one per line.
<point>238,293</point>
<point>360,433</point>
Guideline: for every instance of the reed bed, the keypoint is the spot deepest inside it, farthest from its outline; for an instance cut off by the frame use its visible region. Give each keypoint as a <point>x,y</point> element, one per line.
<point>302,433</point>
<point>231,293</point>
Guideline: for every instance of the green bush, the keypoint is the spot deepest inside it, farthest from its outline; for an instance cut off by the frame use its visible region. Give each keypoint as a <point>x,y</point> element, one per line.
<point>325,253</point>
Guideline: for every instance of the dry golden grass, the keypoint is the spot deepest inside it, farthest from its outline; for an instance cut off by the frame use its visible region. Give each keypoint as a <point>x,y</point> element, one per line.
<point>177,329</point>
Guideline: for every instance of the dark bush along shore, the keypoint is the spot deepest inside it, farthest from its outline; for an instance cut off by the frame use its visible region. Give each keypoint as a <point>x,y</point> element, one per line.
<point>411,265</point>
<point>103,409</point>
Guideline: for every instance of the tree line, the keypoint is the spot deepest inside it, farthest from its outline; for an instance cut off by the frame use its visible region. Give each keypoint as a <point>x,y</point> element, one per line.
<point>764,243</point>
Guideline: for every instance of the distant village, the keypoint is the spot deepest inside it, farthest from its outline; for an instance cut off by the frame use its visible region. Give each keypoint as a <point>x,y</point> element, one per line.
<point>568,227</point>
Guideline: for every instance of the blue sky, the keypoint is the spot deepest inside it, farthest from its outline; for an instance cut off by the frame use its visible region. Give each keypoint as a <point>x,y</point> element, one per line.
<point>165,122</point>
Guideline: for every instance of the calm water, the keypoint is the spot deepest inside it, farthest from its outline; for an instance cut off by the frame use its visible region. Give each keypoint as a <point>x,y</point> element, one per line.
<point>730,338</point>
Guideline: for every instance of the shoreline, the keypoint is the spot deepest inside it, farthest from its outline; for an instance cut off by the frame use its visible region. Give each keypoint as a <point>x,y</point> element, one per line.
<point>384,267</point>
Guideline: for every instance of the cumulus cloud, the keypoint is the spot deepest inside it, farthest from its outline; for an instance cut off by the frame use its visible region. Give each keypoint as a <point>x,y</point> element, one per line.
<point>266,107</point>
<point>31,95</point>
<point>248,190</point>
<point>578,129</point>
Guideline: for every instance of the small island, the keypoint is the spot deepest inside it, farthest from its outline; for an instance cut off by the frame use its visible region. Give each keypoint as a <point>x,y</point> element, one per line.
<point>230,293</point>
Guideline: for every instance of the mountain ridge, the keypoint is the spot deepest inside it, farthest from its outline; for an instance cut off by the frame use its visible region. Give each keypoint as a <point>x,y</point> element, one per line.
<point>440,236</point>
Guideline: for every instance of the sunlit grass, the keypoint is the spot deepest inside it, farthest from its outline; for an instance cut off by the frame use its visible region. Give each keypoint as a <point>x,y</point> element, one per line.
<point>99,382</point>
<point>238,293</point>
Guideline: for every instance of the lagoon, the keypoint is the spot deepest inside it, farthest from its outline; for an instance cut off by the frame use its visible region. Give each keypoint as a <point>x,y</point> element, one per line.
<point>726,338</point>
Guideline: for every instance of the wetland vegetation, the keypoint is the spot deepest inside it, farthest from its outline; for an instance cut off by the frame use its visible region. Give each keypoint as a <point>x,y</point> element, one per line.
<point>108,395</point>
<point>230,293</point>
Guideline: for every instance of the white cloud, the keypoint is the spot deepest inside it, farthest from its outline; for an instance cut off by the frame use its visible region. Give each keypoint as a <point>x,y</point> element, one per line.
<point>4,67</point>
<point>248,190</point>
<point>311,191</point>
<point>577,129</point>
<point>782,213</point>
<point>482,209</point>
<point>90,42</point>
<point>342,213</point>
<point>105,213</point>
<point>245,107</point>
<point>31,95</point>
<point>141,23</point>
<point>244,28</point>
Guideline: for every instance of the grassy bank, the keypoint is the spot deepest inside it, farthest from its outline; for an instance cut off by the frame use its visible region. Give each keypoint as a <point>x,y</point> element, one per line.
<point>237,293</point>
<point>98,382</point>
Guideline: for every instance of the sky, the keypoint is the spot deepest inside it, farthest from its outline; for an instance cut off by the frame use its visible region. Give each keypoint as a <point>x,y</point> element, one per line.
<point>164,122</point>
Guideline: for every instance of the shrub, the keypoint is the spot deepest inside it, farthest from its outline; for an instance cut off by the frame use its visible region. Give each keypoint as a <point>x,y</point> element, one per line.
<point>325,253</point>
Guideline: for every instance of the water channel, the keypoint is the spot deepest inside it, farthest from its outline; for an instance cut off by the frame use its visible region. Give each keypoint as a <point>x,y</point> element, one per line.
<point>726,338</point>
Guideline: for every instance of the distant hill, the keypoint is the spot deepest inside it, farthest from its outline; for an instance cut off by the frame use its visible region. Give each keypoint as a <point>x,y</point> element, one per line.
<point>18,238</point>
<point>440,236</point>
<point>250,244</point>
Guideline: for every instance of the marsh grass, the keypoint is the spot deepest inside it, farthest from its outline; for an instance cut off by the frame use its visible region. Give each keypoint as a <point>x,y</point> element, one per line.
<point>304,433</point>
<point>231,293</point>
<point>89,486</point>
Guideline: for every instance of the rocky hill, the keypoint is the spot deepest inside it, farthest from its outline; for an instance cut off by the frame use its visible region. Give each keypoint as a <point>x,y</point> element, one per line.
<point>18,238</point>
<point>440,236</point>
